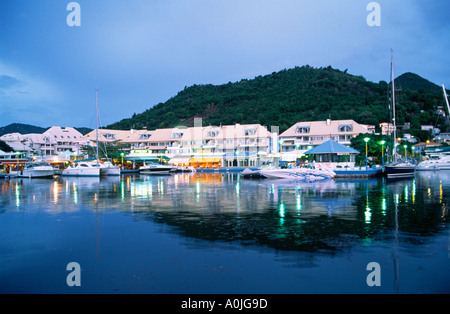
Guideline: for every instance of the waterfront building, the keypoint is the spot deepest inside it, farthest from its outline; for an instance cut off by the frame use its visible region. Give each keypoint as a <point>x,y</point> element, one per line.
<point>203,146</point>
<point>63,139</point>
<point>303,136</point>
<point>54,141</point>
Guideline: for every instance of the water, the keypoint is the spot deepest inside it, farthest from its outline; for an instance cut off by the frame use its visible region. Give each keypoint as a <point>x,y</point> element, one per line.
<point>218,233</point>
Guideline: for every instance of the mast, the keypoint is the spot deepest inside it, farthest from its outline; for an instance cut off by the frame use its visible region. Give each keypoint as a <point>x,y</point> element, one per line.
<point>96,122</point>
<point>393,106</point>
<point>446,99</point>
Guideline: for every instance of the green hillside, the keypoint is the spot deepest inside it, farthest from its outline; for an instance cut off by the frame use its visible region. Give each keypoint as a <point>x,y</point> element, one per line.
<point>286,97</point>
<point>21,128</point>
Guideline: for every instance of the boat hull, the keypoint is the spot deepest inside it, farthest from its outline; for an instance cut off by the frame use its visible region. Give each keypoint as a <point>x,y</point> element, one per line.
<point>400,171</point>
<point>110,171</point>
<point>298,174</point>
<point>44,173</point>
<point>88,172</point>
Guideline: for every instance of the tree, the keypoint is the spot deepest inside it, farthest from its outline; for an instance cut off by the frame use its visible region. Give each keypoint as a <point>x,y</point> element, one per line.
<point>374,147</point>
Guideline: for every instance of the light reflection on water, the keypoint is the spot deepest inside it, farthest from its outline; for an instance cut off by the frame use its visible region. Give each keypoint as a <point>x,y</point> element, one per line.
<point>335,218</point>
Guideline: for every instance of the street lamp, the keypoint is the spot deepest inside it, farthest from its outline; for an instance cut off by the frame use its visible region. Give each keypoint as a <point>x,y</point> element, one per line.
<point>382,153</point>
<point>405,146</point>
<point>366,140</point>
<point>121,155</point>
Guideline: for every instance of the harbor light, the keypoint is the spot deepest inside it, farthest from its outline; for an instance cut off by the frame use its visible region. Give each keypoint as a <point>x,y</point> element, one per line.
<point>121,155</point>
<point>382,152</point>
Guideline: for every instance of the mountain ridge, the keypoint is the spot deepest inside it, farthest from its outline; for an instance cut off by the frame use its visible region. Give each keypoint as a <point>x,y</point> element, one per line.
<point>291,95</point>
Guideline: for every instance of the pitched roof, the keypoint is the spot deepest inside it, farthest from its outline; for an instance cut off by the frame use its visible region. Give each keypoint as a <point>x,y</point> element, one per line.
<point>317,128</point>
<point>331,147</point>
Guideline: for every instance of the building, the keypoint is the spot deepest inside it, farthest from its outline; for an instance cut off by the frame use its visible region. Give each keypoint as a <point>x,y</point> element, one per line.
<point>206,146</point>
<point>387,128</point>
<point>333,155</point>
<point>66,139</point>
<point>442,138</point>
<point>306,135</point>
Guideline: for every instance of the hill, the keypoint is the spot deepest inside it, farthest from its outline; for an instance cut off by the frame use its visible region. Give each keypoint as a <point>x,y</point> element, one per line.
<point>413,81</point>
<point>21,128</point>
<point>27,129</point>
<point>288,96</point>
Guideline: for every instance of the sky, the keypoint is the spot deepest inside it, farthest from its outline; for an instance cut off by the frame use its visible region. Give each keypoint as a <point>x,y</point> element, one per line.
<point>139,53</point>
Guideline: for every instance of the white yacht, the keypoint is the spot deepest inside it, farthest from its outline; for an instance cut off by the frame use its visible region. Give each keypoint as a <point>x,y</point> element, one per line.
<point>297,174</point>
<point>108,169</point>
<point>82,169</point>
<point>38,169</point>
<point>154,168</point>
<point>442,163</point>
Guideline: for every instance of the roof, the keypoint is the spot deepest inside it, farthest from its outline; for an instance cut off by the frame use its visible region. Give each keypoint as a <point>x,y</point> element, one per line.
<point>331,147</point>
<point>317,128</point>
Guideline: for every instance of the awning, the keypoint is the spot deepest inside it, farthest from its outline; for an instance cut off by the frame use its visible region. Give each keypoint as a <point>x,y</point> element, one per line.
<point>180,160</point>
<point>205,159</point>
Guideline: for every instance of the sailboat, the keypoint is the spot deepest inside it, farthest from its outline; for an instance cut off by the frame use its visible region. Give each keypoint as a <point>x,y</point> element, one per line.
<point>93,168</point>
<point>397,168</point>
<point>443,161</point>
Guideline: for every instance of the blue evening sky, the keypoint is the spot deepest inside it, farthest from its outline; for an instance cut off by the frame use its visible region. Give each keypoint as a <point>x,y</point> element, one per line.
<point>142,52</point>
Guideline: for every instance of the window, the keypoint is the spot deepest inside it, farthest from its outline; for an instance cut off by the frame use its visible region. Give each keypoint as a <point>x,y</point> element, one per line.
<point>249,132</point>
<point>177,135</point>
<point>144,136</point>
<point>346,128</point>
<point>212,133</point>
<point>302,129</point>
<point>109,136</point>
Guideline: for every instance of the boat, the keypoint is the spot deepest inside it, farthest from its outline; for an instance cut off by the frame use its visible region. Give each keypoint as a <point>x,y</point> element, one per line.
<point>82,169</point>
<point>400,169</point>
<point>37,169</point>
<point>295,174</point>
<point>397,168</point>
<point>442,163</point>
<point>108,169</point>
<point>155,168</point>
<point>93,168</point>
<point>183,169</point>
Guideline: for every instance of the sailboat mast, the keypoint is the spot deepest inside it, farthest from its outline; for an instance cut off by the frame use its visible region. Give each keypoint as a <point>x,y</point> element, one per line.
<point>393,106</point>
<point>446,99</point>
<point>96,122</point>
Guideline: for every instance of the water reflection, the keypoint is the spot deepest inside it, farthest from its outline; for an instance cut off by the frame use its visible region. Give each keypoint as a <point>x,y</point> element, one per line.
<point>324,216</point>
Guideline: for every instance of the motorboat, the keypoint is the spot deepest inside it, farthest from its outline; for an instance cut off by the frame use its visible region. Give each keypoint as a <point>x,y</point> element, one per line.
<point>442,163</point>
<point>39,169</point>
<point>183,169</point>
<point>82,169</point>
<point>155,168</point>
<point>400,169</point>
<point>108,169</point>
<point>297,174</point>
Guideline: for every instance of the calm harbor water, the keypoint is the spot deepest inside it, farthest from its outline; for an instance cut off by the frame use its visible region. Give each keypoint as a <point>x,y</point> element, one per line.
<point>218,233</point>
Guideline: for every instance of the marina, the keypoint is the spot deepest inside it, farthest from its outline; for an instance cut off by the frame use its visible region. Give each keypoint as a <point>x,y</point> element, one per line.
<point>209,232</point>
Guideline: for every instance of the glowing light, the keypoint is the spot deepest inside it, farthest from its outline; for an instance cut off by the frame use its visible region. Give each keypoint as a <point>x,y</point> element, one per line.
<point>299,203</point>
<point>55,192</point>
<point>281,209</point>
<point>17,195</point>
<point>75,193</point>
<point>367,215</point>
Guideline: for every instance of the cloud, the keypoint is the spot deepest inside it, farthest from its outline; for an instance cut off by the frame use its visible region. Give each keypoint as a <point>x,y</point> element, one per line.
<point>7,82</point>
